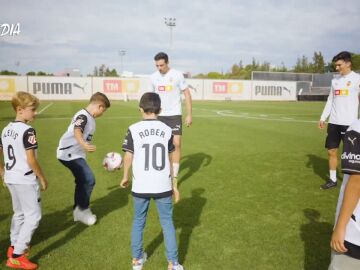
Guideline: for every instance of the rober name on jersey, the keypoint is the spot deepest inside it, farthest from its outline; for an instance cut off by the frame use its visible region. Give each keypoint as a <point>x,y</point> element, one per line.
<point>152,132</point>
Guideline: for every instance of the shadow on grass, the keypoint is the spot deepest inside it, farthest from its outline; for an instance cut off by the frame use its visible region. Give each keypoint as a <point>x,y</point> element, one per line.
<point>319,165</point>
<point>187,214</point>
<point>316,237</point>
<point>56,222</point>
<point>192,163</point>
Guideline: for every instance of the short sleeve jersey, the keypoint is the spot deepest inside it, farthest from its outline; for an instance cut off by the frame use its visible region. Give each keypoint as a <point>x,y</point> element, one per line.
<point>343,101</point>
<point>69,148</point>
<point>351,165</point>
<point>150,141</point>
<point>169,86</point>
<point>16,138</point>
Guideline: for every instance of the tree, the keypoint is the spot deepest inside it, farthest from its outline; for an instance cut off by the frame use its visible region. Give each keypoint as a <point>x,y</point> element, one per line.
<point>31,73</point>
<point>319,64</point>
<point>7,72</point>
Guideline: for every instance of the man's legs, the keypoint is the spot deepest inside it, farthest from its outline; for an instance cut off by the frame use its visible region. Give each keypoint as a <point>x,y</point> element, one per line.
<point>176,154</point>
<point>333,162</point>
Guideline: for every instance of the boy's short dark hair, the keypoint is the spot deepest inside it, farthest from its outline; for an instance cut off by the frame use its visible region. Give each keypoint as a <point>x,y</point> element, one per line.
<point>346,56</point>
<point>100,97</point>
<point>162,55</point>
<point>150,102</point>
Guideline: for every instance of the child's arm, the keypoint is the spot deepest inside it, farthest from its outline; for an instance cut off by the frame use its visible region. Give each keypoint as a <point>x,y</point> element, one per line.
<point>2,172</point>
<point>128,158</point>
<point>84,144</point>
<point>35,166</point>
<point>351,199</point>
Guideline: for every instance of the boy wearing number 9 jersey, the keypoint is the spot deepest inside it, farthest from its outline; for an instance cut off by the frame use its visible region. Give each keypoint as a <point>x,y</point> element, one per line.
<point>148,146</point>
<point>22,174</point>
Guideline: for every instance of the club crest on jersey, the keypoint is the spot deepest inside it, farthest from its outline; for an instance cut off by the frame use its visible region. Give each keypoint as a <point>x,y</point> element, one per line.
<point>32,139</point>
<point>348,83</point>
<point>79,122</point>
<point>342,92</point>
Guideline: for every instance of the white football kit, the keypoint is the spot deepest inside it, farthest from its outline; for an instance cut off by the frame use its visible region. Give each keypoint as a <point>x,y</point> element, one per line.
<point>150,141</point>
<point>343,103</point>
<point>16,138</point>
<point>69,148</point>
<point>169,86</point>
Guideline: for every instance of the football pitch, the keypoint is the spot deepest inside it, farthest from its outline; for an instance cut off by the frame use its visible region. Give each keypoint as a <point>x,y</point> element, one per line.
<point>249,181</point>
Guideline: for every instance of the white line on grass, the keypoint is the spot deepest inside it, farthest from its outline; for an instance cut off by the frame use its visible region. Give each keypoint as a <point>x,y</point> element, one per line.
<point>47,106</point>
<point>226,113</point>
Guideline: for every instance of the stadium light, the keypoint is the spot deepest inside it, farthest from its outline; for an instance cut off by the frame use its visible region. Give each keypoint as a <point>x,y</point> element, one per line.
<point>121,54</point>
<point>171,23</point>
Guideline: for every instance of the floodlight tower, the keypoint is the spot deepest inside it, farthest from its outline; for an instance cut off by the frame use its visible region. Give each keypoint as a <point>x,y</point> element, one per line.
<point>121,54</point>
<point>171,23</point>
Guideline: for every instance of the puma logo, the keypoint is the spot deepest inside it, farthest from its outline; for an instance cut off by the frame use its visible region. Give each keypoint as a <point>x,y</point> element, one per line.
<point>352,140</point>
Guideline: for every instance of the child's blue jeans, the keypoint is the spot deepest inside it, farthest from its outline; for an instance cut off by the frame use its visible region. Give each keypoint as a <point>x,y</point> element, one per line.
<point>165,210</point>
<point>84,181</point>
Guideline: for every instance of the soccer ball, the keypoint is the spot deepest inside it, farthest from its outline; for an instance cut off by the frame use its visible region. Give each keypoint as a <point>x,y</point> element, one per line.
<point>112,161</point>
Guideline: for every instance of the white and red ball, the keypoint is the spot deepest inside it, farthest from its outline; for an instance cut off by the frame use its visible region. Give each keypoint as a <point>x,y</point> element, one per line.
<point>112,161</point>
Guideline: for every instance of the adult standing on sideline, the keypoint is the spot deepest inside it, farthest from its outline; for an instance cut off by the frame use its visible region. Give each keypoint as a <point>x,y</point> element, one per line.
<point>170,84</point>
<point>342,107</point>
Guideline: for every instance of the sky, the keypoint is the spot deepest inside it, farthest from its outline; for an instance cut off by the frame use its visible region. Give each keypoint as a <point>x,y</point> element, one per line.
<point>208,36</point>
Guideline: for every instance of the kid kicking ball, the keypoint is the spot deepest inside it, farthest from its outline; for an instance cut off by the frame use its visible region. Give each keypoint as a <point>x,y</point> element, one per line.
<point>112,161</point>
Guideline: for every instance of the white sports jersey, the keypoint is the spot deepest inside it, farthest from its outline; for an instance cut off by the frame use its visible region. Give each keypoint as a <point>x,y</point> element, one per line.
<point>69,148</point>
<point>169,86</point>
<point>343,103</point>
<point>16,138</point>
<point>352,233</point>
<point>150,141</point>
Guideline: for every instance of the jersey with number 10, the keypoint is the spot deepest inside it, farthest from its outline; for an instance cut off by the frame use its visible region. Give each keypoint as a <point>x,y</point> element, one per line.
<point>150,141</point>
<point>16,138</point>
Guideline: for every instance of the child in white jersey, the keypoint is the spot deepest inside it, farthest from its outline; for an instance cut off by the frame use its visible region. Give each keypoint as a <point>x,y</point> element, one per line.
<point>71,152</point>
<point>22,174</point>
<point>147,147</point>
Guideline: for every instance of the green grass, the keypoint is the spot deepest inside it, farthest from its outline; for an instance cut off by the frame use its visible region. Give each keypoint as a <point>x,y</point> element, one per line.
<point>249,183</point>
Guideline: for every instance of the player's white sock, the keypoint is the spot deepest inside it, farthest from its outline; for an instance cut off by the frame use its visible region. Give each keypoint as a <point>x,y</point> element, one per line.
<point>333,175</point>
<point>176,169</point>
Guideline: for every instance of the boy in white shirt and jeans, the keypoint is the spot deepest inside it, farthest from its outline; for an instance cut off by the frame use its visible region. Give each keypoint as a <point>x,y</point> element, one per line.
<point>148,146</point>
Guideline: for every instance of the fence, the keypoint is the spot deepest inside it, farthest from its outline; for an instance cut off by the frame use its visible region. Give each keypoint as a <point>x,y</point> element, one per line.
<point>81,88</point>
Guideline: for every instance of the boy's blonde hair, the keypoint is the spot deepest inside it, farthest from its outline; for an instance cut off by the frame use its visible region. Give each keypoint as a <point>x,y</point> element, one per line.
<point>100,97</point>
<point>23,100</point>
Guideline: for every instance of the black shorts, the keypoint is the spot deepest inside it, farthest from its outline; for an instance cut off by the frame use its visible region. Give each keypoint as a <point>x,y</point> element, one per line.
<point>174,122</point>
<point>335,135</point>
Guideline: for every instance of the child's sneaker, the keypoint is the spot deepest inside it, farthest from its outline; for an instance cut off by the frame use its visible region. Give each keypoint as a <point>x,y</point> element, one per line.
<point>21,262</point>
<point>84,216</point>
<point>175,266</point>
<point>10,252</point>
<point>137,264</point>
